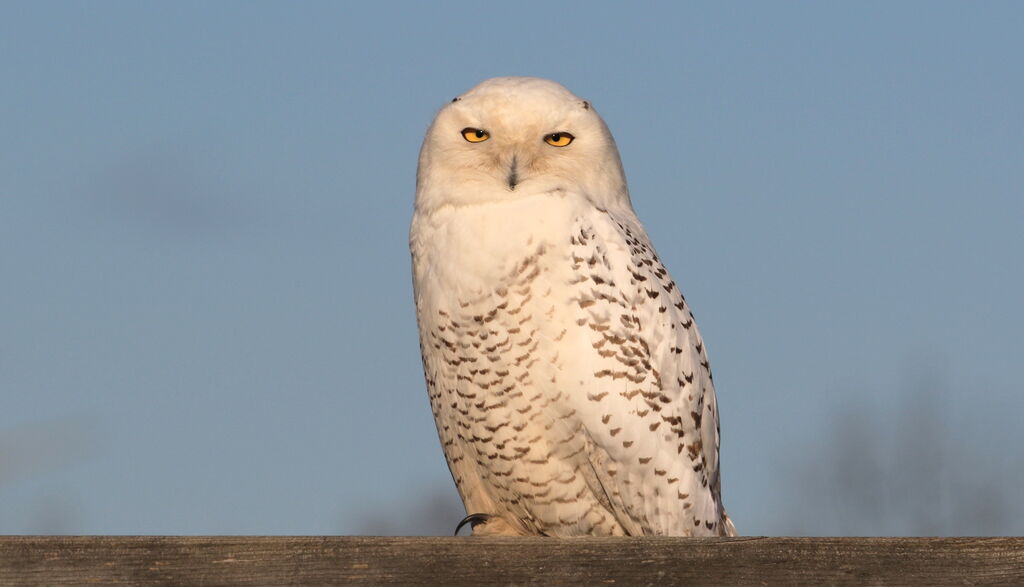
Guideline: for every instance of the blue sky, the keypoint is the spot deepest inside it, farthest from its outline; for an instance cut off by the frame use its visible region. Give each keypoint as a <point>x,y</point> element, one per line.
<point>206,319</point>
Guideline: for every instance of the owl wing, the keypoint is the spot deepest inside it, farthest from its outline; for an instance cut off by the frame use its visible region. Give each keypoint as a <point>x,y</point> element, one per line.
<point>648,403</point>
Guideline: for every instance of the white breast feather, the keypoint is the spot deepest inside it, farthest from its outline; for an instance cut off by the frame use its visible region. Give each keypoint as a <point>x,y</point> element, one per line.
<point>568,379</point>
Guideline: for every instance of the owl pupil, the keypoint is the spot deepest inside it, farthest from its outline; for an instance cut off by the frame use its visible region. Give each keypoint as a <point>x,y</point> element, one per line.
<point>479,134</point>
<point>556,137</point>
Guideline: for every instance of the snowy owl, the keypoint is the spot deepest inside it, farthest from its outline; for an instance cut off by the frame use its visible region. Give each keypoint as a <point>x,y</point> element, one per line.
<point>570,387</point>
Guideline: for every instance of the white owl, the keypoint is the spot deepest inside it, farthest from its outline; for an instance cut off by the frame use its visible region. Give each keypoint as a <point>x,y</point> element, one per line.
<point>569,384</point>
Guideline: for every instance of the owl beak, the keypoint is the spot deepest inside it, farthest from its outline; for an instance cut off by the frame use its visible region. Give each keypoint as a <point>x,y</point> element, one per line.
<point>513,174</point>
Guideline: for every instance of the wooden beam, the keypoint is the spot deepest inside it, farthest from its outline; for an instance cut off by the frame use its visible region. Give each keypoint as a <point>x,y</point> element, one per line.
<point>246,560</point>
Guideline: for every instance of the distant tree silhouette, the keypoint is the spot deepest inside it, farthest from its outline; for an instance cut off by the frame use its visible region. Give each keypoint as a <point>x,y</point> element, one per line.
<point>903,470</point>
<point>432,512</point>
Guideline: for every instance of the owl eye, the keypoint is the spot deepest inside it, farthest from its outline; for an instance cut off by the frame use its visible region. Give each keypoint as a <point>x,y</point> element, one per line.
<point>475,135</point>
<point>558,139</point>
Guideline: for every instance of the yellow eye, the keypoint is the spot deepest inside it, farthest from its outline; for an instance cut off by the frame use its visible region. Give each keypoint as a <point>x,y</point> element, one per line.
<point>475,135</point>
<point>558,139</point>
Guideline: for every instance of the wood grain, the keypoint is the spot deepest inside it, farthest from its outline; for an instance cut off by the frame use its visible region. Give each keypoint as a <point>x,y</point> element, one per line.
<point>247,560</point>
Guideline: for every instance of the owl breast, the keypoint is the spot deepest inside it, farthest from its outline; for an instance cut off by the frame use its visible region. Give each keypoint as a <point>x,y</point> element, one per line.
<point>498,320</point>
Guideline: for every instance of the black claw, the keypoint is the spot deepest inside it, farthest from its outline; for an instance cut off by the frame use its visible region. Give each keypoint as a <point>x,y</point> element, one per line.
<point>473,519</point>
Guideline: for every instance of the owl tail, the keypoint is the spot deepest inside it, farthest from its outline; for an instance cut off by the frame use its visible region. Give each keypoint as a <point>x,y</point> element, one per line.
<point>728,526</point>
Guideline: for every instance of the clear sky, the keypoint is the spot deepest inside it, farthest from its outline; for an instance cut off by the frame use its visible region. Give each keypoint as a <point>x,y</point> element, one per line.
<point>206,319</point>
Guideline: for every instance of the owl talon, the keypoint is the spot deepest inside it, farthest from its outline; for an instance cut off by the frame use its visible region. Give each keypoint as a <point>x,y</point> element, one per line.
<point>472,519</point>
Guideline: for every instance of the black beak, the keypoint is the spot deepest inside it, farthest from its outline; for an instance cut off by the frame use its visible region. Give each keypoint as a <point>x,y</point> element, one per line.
<point>513,174</point>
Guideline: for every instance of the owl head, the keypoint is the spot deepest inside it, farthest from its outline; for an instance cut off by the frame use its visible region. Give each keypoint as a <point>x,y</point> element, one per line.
<point>516,137</point>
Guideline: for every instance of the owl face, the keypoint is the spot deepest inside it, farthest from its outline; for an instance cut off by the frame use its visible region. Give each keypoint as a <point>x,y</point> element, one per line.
<point>516,137</point>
